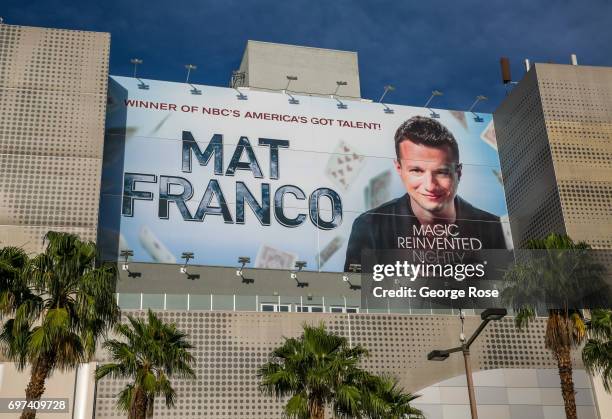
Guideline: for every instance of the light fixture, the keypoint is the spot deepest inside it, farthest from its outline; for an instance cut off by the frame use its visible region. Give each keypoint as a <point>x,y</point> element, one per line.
<point>388,88</point>
<point>183,269</point>
<point>238,78</point>
<point>289,80</point>
<point>434,93</point>
<point>190,67</point>
<point>478,99</point>
<point>300,264</point>
<point>127,253</point>
<point>490,314</point>
<point>141,85</point>
<point>243,260</point>
<point>354,268</point>
<point>437,355</point>
<point>136,62</point>
<point>194,90</point>
<point>292,100</point>
<point>339,105</point>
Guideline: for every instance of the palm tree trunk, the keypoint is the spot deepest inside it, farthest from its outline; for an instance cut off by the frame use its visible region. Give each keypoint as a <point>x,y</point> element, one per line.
<point>317,410</point>
<point>36,386</point>
<point>564,363</point>
<point>139,406</point>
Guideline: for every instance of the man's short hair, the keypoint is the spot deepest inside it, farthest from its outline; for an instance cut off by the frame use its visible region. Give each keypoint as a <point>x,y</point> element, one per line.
<point>426,131</point>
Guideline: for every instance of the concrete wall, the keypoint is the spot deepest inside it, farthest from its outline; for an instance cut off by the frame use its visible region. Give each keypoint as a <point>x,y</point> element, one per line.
<point>230,346</point>
<point>267,66</point>
<point>52,102</point>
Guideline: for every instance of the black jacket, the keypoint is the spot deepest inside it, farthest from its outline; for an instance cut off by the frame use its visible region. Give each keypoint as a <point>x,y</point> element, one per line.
<point>380,227</point>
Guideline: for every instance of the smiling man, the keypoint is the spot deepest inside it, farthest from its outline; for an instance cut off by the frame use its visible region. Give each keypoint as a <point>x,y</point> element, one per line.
<point>430,215</point>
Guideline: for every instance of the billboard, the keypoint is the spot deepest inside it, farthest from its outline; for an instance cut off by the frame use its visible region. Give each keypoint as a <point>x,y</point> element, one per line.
<point>282,178</point>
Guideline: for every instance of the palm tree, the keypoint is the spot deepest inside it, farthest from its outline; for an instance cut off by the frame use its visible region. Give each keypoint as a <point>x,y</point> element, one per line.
<point>318,370</point>
<point>383,398</point>
<point>151,354</point>
<point>59,304</point>
<point>562,275</point>
<point>597,352</point>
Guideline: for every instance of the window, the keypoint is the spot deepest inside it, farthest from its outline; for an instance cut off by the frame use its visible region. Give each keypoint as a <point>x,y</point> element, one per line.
<point>308,309</point>
<point>340,309</point>
<point>285,308</point>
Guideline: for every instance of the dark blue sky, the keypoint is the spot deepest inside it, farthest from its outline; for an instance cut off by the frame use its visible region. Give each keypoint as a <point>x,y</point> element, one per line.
<point>453,46</point>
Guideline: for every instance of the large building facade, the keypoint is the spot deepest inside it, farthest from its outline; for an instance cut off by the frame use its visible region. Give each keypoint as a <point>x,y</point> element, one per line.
<point>51,134</point>
<point>555,143</point>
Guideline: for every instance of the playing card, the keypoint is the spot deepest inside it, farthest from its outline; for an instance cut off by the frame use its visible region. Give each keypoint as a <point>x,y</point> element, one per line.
<point>154,247</point>
<point>460,116</point>
<point>328,251</point>
<point>488,135</point>
<point>270,258</point>
<point>377,192</point>
<point>344,165</point>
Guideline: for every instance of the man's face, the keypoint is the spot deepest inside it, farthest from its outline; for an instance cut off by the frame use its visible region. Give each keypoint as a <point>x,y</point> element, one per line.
<point>430,175</point>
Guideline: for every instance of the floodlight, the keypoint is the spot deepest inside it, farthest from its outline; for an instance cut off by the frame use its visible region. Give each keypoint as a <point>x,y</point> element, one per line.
<point>434,93</point>
<point>189,67</point>
<point>478,99</point>
<point>345,278</point>
<point>186,256</point>
<point>493,314</point>
<point>437,355</point>
<point>338,84</point>
<point>355,267</point>
<point>126,253</point>
<point>300,264</point>
<point>292,100</point>
<point>388,88</point>
<point>136,62</point>
<point>243,260</point>
<point>289,80</point>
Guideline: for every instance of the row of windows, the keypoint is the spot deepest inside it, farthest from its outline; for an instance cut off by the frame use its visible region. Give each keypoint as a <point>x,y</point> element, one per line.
<point>297,308</point>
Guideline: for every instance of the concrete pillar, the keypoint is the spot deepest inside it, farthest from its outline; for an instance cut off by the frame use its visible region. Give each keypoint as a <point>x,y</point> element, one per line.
<point>84,391</point>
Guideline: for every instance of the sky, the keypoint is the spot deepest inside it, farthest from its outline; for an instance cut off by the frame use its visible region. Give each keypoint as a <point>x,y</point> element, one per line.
<point>452,46</point>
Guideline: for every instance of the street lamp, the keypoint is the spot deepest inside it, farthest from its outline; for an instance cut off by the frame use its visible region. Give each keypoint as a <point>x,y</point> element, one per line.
<point>490,314</point>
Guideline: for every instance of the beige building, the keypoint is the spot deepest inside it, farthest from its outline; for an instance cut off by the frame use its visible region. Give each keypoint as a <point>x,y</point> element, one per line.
<point>52,107</point>
<point>554,133</point>
<point>315,71</point>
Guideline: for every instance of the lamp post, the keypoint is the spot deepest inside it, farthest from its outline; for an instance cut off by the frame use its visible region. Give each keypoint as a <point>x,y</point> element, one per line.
<point>490,314</point>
